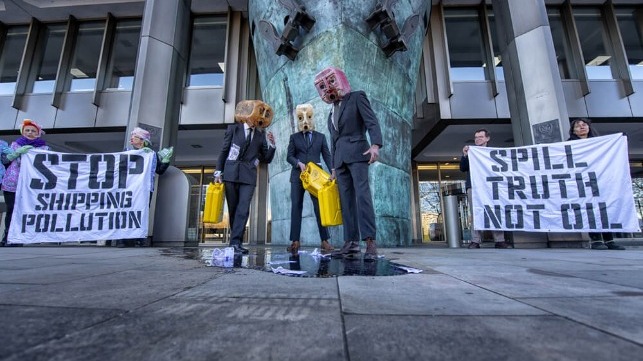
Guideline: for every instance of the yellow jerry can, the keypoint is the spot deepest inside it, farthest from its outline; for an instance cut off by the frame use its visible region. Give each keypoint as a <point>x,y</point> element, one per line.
<point>313,178</point>
<point>329,207</point>
<point>213,210</point>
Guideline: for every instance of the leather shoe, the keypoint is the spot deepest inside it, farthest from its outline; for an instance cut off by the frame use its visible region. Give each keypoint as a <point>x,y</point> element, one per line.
<point>349,249</point>
<point>326,247</point>
<point>294,247</point>
<point>502,244</point>
<point>599,245</point>
<point>612,245</point>
<point>474,245</point>
<point>239,249</point>
<point>371,250</point>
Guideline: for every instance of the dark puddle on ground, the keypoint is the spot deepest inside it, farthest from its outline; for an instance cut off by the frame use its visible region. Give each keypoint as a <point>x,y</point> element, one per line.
<point>308,263</point>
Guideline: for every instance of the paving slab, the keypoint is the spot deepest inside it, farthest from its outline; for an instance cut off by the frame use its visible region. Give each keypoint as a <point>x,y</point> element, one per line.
<point>457,338</point>
<point>424,294</point>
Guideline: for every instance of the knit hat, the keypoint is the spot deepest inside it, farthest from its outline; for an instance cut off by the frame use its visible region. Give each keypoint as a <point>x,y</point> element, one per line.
<point>143,134</point>
<point>29,122</point>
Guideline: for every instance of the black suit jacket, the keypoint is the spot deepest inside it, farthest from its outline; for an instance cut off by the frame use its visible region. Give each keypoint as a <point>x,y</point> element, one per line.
<point>349,142</point>
<point>243,169</point>
<point>300,150</point>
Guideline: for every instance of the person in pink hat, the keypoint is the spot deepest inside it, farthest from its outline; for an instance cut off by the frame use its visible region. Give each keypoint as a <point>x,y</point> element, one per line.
<point>31,138</point>
<point>141,139</point>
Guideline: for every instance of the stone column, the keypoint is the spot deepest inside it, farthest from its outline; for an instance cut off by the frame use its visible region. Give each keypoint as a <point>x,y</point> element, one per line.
<point>158,84</point>
<point>535,91</point>
<point>162,55</point>
<point>342,38</point>
<point>534,88</point>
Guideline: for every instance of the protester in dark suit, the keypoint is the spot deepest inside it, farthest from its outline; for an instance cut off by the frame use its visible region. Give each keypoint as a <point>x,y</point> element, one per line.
<point>581,128</point>
<point>245,145</point>
<point>348,122</point>
<point>305,146</point>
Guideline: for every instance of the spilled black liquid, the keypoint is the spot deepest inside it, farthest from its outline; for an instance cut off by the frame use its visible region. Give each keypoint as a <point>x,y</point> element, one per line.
<point>307,263</point>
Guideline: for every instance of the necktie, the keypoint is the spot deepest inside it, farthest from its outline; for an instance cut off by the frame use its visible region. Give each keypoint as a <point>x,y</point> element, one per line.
<point>335,114</point>
<point>309,138</point>
<point>249,136</point>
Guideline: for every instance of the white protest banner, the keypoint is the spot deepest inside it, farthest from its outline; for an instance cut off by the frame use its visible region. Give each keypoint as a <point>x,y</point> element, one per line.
<point>64,197</point>
<point>574,186</point>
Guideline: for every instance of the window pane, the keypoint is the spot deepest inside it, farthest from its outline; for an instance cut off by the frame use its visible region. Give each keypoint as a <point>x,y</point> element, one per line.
<point>561,44</point>
<point>593,40</point>
<point>630,21</point>
<point>120,71</point>
<point>86,53</point>
<point>465,44</point>
<point>10,58</point>
<point>207,52</point>
<point>46,59</point>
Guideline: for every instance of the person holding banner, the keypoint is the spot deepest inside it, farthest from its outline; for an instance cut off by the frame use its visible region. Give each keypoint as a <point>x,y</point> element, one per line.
<point>581,128</point>
<point>31,138</point>
<point>481,138</point>
<point>141,139</point>
<point>307,145</point>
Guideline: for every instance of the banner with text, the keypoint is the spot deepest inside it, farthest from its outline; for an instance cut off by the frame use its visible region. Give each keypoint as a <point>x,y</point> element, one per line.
<point>64,197</point>
<point>574,186</point>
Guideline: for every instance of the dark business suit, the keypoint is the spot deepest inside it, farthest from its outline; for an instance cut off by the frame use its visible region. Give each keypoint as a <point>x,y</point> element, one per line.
<point>300,150</point>
<point>240,174</point>
<point>348,143</point>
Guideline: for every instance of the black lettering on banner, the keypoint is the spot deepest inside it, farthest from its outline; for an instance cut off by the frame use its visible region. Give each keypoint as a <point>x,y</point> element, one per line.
<point>51,178</point>
<point>516,187</point>
<point>570,159</point>
<point>577,215</point>
<point>74,159</point>
<point>534,187</point>
<point>520,219</point>
<point>536,215</point>
<point>494,187</point>
<point>536,158</point>
<point>562,184</point>
<point>503,165</point>
<point>592,184</point>
<point>124,169</point>
<point>95,161</point>
<point>518,155</point>
<point>494,215</point>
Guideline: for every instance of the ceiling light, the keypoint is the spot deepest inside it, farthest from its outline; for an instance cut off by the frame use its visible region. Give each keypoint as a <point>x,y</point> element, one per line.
<point>78,73</point>
<point>599,60</point>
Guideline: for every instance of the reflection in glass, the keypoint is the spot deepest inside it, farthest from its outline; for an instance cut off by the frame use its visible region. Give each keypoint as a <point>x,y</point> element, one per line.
<point>593,41</point>
<point>10,58</point>
<point>46,59</point>
<point>466,52</point>
<point>436,180</point>
<point>122,61</point>
<point>207,54</point>
<point>497,56</point>
<point>561,44</point>
<point>84,64</point>
<point>630,22</point>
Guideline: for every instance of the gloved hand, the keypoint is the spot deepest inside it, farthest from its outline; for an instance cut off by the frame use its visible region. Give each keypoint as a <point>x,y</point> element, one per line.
<point>146,149</point>
<point>166,154</point>
<point>217,177</point>
<point>18,152</point>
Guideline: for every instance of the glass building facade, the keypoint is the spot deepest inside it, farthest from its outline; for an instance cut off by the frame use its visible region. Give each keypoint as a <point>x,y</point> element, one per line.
<point>77,75</point>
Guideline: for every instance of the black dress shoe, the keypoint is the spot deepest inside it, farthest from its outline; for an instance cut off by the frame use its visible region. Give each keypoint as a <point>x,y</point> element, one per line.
<point>239,249</point>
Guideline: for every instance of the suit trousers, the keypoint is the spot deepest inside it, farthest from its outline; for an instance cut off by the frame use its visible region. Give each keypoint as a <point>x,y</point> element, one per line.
<point>297,198</point>
<point>238,196</point>
<point>358,214</point>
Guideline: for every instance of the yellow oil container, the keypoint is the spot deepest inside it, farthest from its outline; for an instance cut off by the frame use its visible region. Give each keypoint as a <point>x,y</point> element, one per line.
<point>329,207</point>
<point>314,178</point>
<point>213,210</point>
